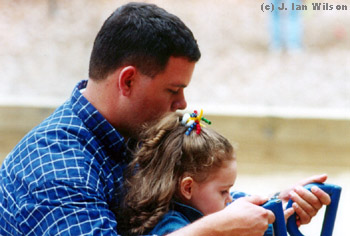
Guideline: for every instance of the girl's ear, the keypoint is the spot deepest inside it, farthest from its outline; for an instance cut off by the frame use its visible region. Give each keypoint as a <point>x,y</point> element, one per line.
<point>126,79</point>
<point>186,186</point>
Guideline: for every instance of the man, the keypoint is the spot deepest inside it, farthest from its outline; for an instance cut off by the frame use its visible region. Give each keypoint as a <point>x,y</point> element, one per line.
<point>65,176</point>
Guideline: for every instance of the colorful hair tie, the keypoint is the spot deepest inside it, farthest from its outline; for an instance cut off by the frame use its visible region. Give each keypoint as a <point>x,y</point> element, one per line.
<point>192,121</point>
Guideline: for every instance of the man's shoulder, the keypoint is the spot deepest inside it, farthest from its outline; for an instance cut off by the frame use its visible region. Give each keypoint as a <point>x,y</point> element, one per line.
<point>54,148</point>
<point>59,132</point>
<point>64,117</point>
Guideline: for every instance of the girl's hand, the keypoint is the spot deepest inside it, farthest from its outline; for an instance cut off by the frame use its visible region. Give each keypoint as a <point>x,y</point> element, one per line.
<point>306,204</point>
<point>288,213</point>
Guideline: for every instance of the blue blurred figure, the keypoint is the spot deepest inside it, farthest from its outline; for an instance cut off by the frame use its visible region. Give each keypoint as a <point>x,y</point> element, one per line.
<point>286,26</point>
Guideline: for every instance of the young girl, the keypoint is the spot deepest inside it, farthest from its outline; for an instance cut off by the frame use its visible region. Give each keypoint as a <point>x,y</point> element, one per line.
<point>181,172</point>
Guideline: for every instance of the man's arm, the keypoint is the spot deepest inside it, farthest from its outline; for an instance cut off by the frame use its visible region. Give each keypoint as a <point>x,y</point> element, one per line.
<point>244,217</point>
<point>65,207</point>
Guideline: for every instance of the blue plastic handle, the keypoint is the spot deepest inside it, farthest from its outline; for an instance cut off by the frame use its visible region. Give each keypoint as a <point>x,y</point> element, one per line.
<point>279,226</point>
<point>330,214</point>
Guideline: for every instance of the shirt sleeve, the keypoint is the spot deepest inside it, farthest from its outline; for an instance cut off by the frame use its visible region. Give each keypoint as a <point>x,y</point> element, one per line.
<point>56,189</point>
<point>62,208</point>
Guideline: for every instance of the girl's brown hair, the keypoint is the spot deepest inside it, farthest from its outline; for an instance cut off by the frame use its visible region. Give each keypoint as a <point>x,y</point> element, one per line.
<point>164,156</point>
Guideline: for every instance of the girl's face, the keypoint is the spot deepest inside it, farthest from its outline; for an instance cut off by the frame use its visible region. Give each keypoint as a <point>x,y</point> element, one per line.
<point>213,194</point>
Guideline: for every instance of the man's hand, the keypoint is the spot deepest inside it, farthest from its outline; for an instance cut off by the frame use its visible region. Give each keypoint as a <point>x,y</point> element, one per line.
<point>306,204</point>
<point>243,217</point>
<point>251,218</point>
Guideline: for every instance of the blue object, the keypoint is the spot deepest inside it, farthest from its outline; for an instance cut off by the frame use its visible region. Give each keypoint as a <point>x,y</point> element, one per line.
<point>330,214</point>
<point>279,226</point>
<point>286,26</point>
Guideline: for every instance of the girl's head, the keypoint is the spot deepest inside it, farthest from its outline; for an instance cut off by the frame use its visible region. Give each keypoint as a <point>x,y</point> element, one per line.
<point>213,193</point>
<point>196,169</point>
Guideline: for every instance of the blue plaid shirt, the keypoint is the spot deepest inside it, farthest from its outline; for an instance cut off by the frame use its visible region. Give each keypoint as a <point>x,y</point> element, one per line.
<point>65,176</point>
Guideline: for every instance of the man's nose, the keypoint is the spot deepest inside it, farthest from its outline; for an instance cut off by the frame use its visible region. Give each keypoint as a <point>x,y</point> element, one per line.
<point>180,103</point>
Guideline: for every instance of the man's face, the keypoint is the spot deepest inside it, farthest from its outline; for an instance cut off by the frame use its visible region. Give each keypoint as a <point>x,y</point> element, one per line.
<point>153,97</point>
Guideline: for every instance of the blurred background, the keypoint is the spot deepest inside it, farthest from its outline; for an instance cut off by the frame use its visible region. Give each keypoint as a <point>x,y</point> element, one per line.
<point>276,83</point>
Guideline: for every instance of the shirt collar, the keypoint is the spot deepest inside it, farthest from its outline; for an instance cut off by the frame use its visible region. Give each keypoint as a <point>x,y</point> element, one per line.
<point>93,120</point>
<point>189,212</point>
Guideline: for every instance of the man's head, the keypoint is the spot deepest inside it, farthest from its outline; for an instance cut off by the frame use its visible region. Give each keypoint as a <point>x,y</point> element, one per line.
<point>142,35</point>
<point>142,59</point>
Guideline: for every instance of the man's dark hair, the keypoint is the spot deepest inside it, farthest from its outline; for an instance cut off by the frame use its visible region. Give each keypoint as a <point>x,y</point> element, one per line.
<point>142,35</point>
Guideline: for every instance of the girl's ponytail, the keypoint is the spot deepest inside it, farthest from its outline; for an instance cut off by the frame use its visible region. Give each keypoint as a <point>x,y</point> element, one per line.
<point>152,176</point>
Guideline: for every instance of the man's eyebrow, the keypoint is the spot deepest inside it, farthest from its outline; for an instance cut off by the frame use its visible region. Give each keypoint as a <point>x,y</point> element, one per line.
<point>179,85</point>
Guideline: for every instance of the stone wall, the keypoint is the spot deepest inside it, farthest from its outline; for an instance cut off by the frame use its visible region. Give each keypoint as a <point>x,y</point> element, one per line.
<point>45,47</point>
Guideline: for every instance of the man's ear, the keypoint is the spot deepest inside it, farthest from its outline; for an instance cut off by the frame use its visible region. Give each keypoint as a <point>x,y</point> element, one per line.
<point>126,79</point>
<point>186,187</point>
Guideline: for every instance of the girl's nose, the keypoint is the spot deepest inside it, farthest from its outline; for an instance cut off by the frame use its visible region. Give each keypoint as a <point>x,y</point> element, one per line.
<point>229,199</point>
